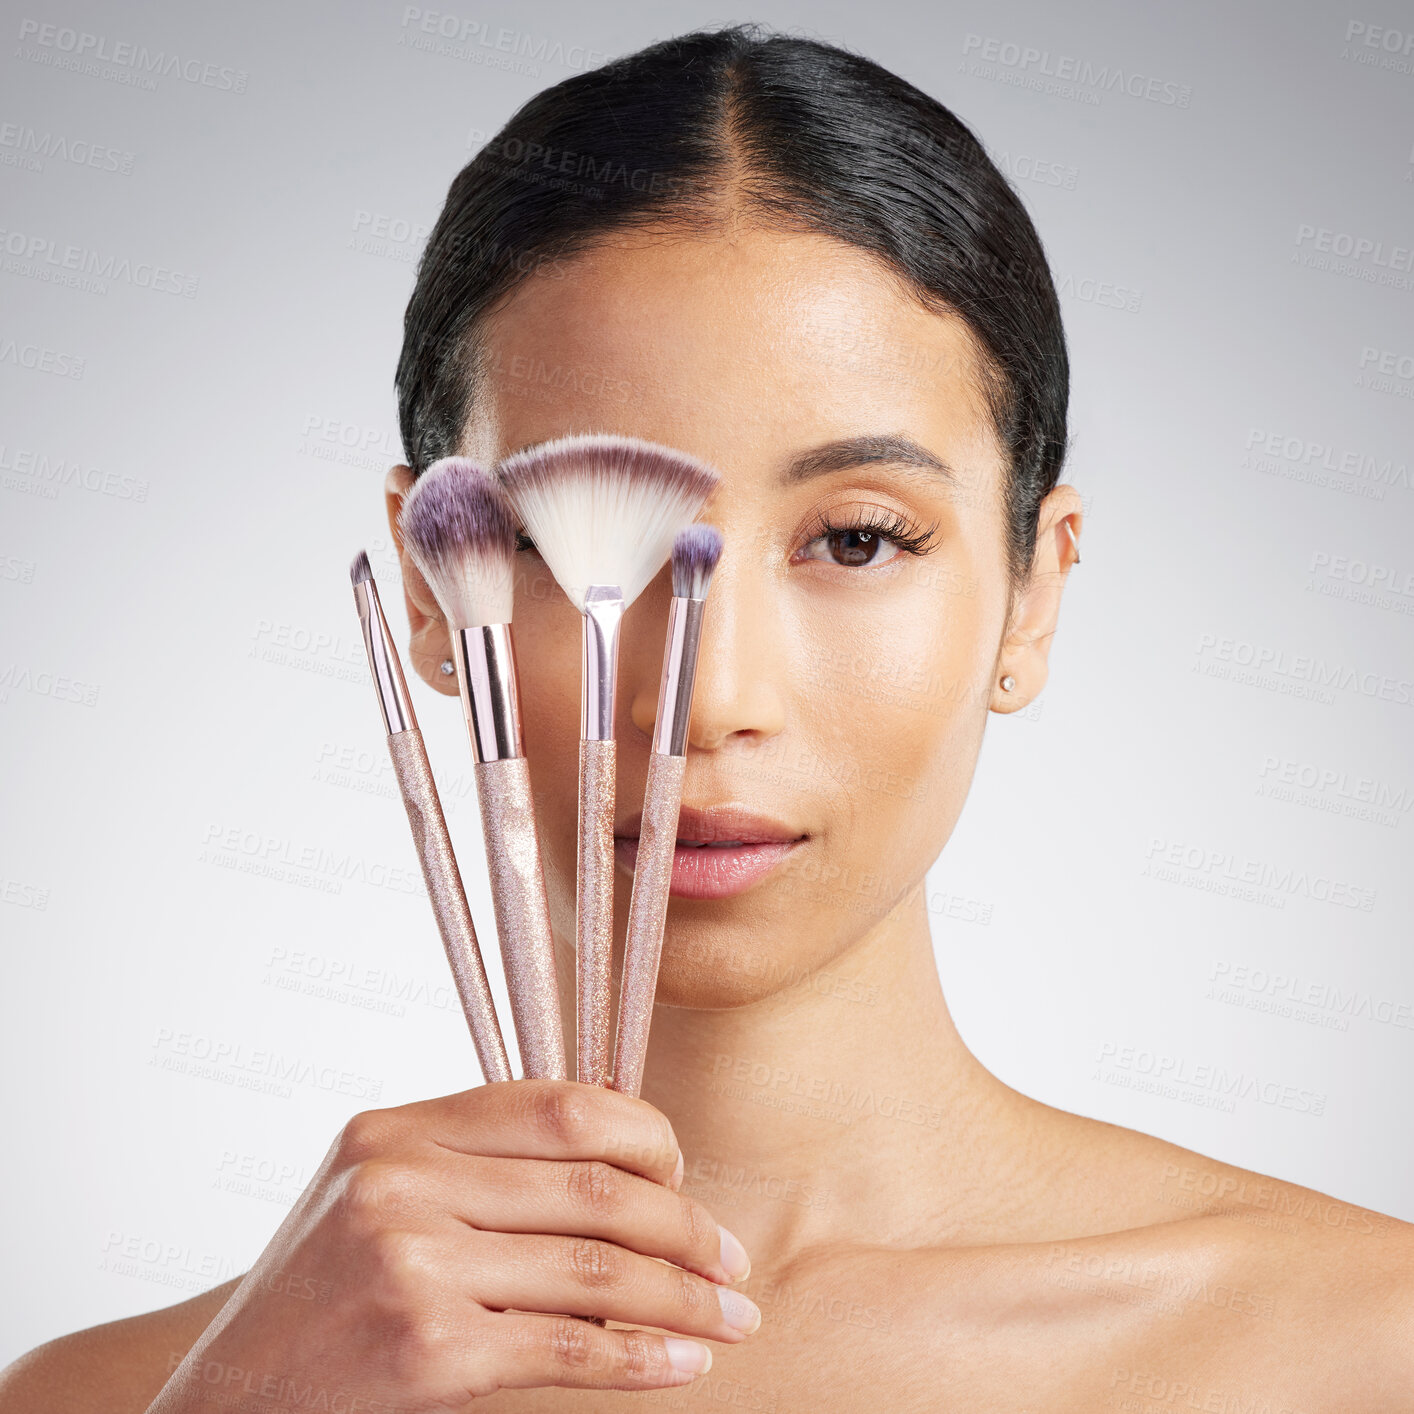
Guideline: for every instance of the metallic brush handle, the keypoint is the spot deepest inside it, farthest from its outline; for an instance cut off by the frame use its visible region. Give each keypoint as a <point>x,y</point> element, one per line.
<point>594,911</point>
<point>444,888</point>
<point>647,912</point>
<point>522,913</point>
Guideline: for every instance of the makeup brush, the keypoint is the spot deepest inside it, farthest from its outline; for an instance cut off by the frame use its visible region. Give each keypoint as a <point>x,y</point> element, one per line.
<point>603,512</point>
<point>460,533</point>
<point>695,554</point>
<point>429,828</point>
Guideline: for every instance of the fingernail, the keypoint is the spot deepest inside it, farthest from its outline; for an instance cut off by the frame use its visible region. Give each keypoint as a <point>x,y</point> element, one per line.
<point>686,1356</point>
<point>675,1182</point>
<point>735,1262</point>
<point>739,1312</point>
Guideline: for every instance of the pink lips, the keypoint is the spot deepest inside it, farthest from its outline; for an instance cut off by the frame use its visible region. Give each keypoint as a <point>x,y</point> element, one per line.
<point>720,852</point>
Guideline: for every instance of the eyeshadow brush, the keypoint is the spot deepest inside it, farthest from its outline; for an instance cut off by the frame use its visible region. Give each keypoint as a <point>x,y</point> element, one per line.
<point>459,530</point>
<point>429,828</point>
<point>602,512</point>
<point>695,554</point>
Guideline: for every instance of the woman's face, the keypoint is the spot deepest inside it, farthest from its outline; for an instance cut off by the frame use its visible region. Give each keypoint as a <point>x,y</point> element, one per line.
<point>849,653</point>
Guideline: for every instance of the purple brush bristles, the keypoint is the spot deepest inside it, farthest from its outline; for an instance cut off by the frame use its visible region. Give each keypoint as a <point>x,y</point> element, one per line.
<point>461,534</point>
<point>360,570</point>
<point>695,554</point>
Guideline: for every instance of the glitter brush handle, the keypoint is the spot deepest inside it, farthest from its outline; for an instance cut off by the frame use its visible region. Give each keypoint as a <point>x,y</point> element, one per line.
<point>647,913</point>
<point>444,889</point>
<point>594,911</point>
<point>522,914</point>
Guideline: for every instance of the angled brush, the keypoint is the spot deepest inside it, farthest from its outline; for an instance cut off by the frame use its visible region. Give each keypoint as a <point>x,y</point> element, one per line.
<point>695,554</point>
<point>603,512</point>
<point>429,828</point>
<point>460,533</point>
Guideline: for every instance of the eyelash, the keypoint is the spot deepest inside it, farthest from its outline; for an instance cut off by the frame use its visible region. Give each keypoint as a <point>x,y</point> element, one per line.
<point>887,525</point>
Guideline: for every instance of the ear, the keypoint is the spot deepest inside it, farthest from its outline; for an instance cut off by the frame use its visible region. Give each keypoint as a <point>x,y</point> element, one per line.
<point>430,644</point>
<point>1025,651</point>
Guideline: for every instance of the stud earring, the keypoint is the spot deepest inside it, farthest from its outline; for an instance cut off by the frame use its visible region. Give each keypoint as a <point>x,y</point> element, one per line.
<point>448,667</point>
<point>1008,683</point>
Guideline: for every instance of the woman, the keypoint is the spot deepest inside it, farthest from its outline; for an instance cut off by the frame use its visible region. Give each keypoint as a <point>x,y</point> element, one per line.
<point>787,261</point>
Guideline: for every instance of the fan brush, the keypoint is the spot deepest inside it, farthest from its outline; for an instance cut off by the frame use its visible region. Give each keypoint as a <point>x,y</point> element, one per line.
<point>603,512</point>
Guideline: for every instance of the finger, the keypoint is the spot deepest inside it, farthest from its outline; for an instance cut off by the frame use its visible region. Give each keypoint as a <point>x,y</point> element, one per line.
<point>561,1351</point>
<point>585,1199</point>
<point>582,1276</point>
<point>528,1119</point>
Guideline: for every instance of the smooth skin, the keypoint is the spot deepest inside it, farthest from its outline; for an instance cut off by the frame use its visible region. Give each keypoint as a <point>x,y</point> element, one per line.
<point>921,1236</point>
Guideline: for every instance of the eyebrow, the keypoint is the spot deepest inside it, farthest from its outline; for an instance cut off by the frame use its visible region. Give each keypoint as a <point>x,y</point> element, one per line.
<point>848,452</point>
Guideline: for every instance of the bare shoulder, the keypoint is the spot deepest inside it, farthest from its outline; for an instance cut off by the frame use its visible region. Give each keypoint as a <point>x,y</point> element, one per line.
<point>115,1368</point>
<point>1112,1177</point>
<point>1123,1273</point>
<point>1264,1287</point>
<point>1200,1312</point>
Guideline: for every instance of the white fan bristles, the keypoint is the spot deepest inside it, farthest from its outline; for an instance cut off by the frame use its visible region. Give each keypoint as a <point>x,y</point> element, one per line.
<point>604,510</point>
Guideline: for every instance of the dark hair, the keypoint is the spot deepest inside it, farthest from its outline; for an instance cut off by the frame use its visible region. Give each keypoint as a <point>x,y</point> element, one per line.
<point>792,132</point>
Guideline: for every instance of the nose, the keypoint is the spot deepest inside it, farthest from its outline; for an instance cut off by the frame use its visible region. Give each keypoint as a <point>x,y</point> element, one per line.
<point>735,699</point>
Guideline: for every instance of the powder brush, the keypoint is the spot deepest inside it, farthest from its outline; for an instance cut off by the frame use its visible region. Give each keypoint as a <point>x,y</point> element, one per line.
<point>695,554</point>
<point>460,533</point>
<point>603,512</point>
<point>429,828</point>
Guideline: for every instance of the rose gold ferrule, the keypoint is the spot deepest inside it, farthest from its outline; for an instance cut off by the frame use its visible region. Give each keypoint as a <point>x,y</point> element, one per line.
<point>603,613</point>
<point>679,673</point>
<point>392,688</point>
<point>486,675</point>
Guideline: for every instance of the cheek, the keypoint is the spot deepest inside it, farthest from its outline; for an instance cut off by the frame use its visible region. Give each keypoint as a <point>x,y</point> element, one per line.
<point>896,665</point>
<point>891,691</point>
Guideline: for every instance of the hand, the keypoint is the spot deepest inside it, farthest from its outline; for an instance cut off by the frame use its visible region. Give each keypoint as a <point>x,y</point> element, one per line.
<point>444,1250</point>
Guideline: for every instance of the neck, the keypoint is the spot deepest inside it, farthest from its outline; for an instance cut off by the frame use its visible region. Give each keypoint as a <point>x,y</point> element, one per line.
<point>844,1103</point>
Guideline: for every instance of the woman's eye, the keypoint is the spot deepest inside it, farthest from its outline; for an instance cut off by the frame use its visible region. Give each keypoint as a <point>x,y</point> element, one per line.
<point>523,542</point>
<point>852,548</point>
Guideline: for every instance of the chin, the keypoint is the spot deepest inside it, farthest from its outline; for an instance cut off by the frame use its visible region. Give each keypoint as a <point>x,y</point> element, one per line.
<point>712,964</point>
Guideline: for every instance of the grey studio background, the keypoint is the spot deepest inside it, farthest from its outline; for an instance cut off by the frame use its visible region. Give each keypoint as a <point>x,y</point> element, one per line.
<point>1180,895</point>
